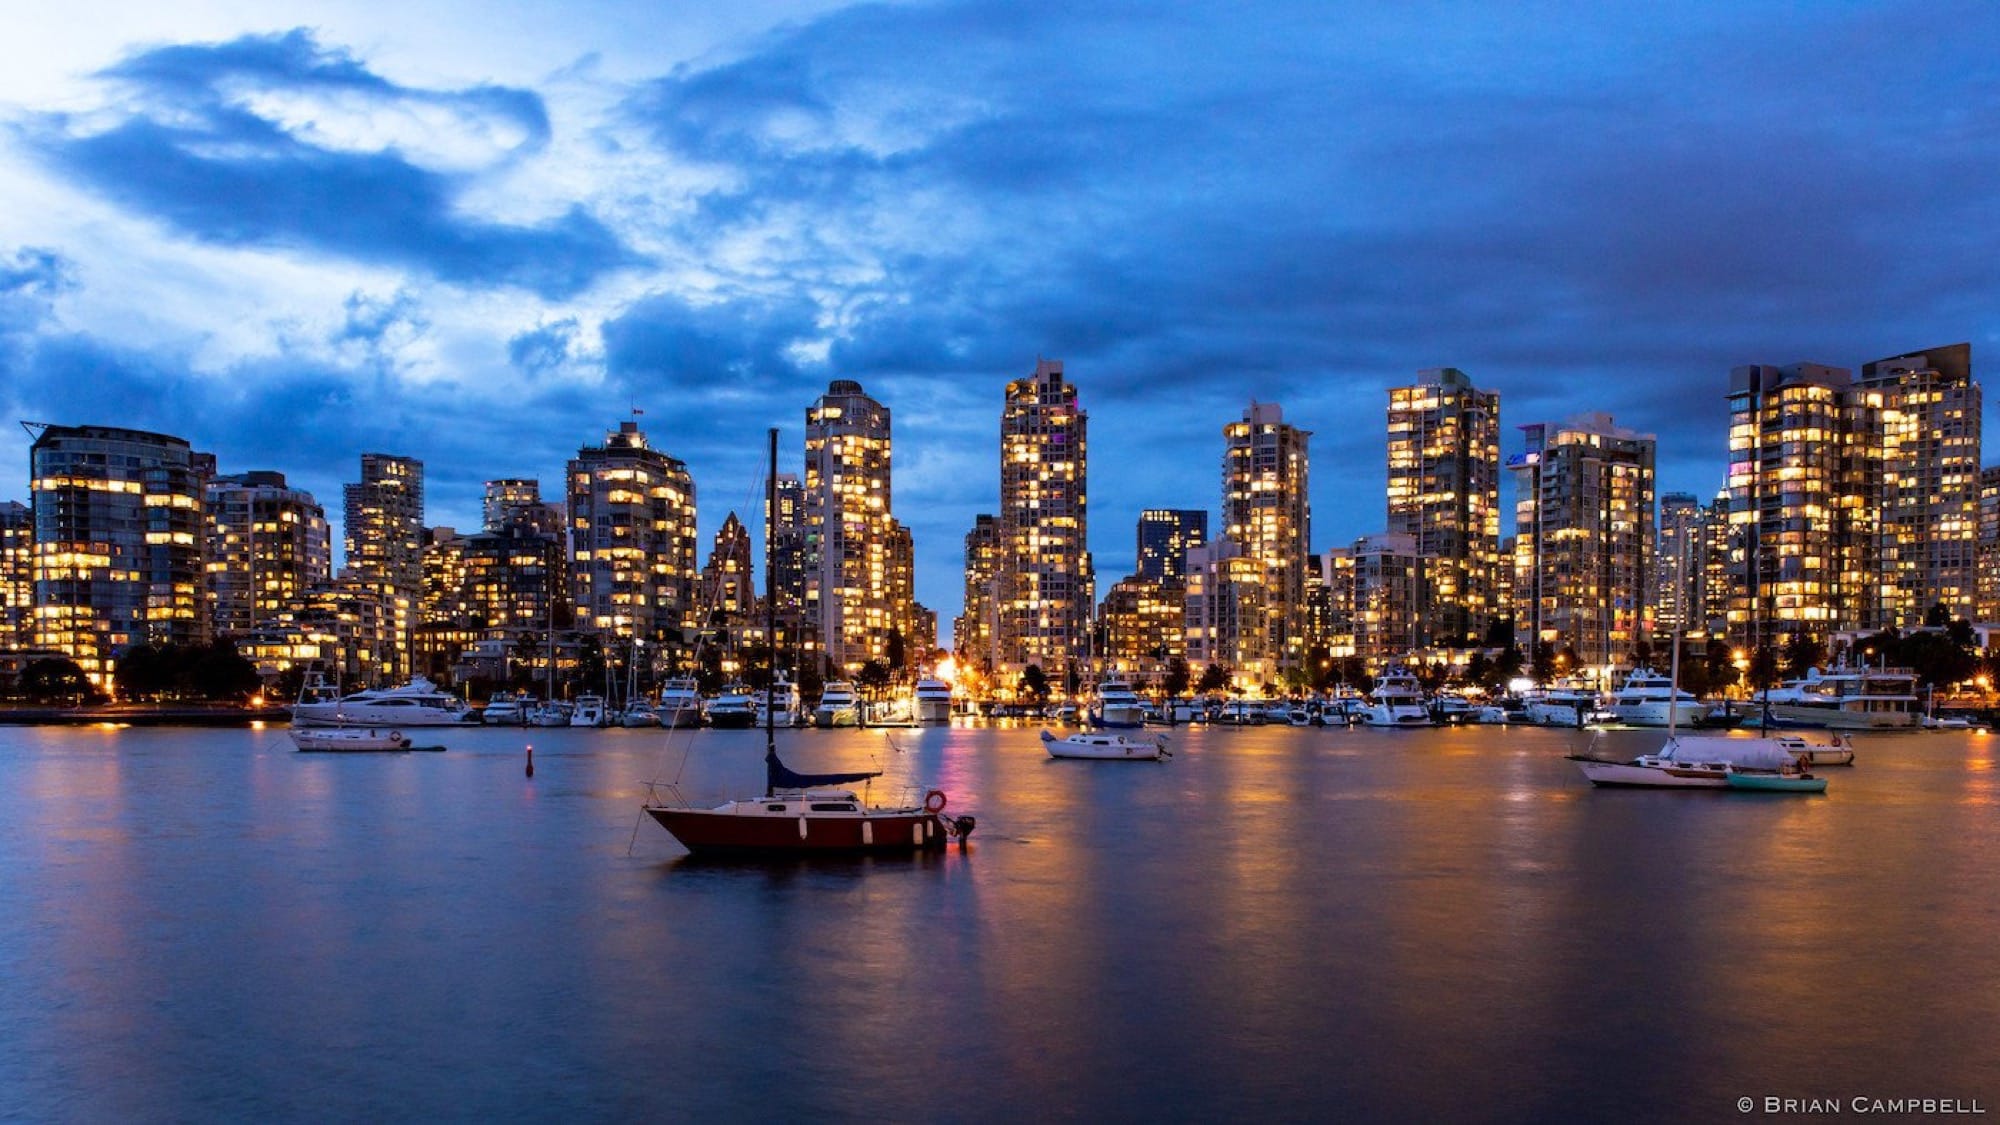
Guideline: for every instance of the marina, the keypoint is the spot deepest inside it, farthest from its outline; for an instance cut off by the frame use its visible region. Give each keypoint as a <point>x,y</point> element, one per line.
<point>1359,901</point>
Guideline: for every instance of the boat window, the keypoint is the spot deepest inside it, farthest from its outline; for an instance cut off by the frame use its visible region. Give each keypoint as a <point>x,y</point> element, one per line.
<point>774,808</point>
<point>832,807</point>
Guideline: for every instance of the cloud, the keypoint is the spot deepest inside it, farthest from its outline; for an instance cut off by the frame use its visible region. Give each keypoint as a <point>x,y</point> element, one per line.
<point>272,142</point>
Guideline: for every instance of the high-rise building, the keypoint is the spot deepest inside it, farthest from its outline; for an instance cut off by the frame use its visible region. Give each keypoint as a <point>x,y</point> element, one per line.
<point>859,561</point>
<point>1047,583</point>
<point>1584,536</point>
<point>119,542</point>
<point>518,503</point>
<point>787,524</point>
<point>17,576</point>
<point>1444,492</point>
<point>632,536</point>
<point>1227,620</point>
<point>1388,596</point>
<point>1928,409</point>
<point>1717,568</point>
<point>1677,565</point>
<point>1989,543</point>
<point>976,633</point>
<point>1266,510</point>
<point>1802,503</point>
<point>1144,625</point>
<point>268,543</point>
<point>1330,605</point>
<point>1165,536</point>
<point>728,579</point>
<point>384,543</point>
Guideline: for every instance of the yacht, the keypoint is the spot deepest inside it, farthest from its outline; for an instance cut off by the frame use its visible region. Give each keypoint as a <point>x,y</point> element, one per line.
<point>507,709</point>
<point>933,701</point>
<point>1848,699</point>
<point>782,703</point>
<point>638,713</point>
<point>1563,707</point>
<point>554,713</point>
<point>837,706</point>
<point>1650,699</point>
<point>734,709</point>
<point>1398,701</point>
<point>589,712</point>
<point>1118,706</point>
<point>680,704</point>
<point>1691,762</point>
<point>418,703</point>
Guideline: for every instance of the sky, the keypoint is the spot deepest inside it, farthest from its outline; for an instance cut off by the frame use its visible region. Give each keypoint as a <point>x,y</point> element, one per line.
<point>481,234</point>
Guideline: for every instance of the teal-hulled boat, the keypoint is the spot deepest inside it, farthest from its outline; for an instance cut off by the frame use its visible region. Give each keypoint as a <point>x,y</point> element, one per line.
<point>1760,781</point>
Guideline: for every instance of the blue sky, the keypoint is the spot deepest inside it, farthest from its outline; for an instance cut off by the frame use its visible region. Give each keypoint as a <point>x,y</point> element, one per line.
<point>479,234</point>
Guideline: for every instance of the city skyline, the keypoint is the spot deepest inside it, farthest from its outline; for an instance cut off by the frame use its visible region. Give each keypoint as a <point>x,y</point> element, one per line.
<point>713,216</point>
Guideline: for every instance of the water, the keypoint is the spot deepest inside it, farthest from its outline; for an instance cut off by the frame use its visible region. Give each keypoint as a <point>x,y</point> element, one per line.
<point>1308,924</point>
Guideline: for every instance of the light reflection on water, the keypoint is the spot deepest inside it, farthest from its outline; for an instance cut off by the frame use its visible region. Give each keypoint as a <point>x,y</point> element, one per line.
<point>1295,923</point>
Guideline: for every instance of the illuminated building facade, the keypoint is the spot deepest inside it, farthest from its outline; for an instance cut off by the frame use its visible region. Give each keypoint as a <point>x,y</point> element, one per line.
<point>267,544</point>
<point>1802,507</point>
<point>728,579</point>
<point>1265,509</point>
<point>1165,536</point>
<point>1444,492</point>
<point>788,546</point>
<point>849,528</point>
<point>1145,625</point>
<point>1926,407</point>
<point>384,543</point>
<point>1677,566</point>
<point>1047,585</point>
<point>1227,618</point>
<point>1584,537</point>
<point>632,535</point>
<point>975,635</point>
<point>17,576</point>
<point>120,536</point>
<point>1389,576</point>
<point>1329,620</point>
<point>1989,544</point>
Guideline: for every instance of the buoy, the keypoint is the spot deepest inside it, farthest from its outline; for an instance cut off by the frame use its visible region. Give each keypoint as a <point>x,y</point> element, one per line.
<point>531,761</point>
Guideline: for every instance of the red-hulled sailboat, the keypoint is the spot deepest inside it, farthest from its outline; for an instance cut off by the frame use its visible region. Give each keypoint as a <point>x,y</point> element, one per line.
<point>802,813</point>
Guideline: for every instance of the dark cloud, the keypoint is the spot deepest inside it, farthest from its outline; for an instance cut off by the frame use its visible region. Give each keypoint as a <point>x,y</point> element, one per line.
<point>192,152</point>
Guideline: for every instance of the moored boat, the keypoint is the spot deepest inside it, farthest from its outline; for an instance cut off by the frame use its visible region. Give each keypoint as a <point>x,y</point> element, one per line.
<point>1397,701</point>
<point>351,739</point>
<point>1117,706</point>
<point>418,703</point>
<point>1107,747</point>
<point>1775,781</point>
<point>838,706</point>
<point>1649,699</point>
<point>932,700</point>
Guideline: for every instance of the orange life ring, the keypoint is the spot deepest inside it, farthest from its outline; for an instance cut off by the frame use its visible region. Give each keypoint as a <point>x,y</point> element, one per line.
<point>934,801</point>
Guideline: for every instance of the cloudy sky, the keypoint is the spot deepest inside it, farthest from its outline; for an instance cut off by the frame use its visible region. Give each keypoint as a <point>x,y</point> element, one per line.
<point>481,233</point>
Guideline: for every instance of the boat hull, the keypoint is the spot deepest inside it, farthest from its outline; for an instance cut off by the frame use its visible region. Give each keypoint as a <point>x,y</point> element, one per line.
<point>1660,713</point>
<point>1625,775</point>
<point>1776,783</point>
<point>721,832</point>
<point>1833,718</point>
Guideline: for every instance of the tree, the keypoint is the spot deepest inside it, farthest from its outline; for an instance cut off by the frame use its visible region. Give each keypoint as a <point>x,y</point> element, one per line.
<point>1642,654</point>
<point>1034,683</point>
<point>1500,633</point>
<point>1213,678</point>
<point>1543,668</point>
<point>1178,677</point>
<point>872,679</point>
<point>1720,662</point>
<point>1763,668</point>
<point>219,673</point>
<point>589,676</point>
<point>1320,668</point>
<point>1694,672</point>
<point>145,671</point>
<point>893,651</point>
<point>1937,660</point>
<point>56,680</point>
<point>1507,667</point>
<point>1802,653</point>
<point>1479,671</point>
<point>1937,617</point>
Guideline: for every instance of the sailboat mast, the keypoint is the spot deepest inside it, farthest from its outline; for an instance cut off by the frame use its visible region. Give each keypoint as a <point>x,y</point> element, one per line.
<point>770,606</point>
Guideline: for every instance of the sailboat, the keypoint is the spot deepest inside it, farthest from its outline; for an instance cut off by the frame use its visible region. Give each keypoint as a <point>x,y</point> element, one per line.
<point>805,813</point>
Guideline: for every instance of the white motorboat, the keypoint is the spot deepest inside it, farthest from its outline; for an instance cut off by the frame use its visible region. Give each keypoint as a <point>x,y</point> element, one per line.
<point>1848,699</point>
<point>418,703</point>
<point>554,713</point>
<point>589,712</point>
<point>1649,699</point>
<point>837,706</point>
<point>680,704</point>
<point>507,709</point>
<point>1107,747</point>
<point>778,705</point>
<point>1839,752</point>
<point>638,713</point>
<point>734,709</point>
<point>932,701</point>
<point>1398,701</point>
<point>1117,706</point>
<point>349,739</point>
<point>1563,707</point>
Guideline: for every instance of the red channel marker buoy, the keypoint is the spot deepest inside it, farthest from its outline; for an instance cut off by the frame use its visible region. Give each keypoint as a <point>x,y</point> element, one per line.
<point>531,761</point>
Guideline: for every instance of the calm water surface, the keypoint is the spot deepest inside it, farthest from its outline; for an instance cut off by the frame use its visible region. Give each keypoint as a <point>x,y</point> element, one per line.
<point>1294,924</point>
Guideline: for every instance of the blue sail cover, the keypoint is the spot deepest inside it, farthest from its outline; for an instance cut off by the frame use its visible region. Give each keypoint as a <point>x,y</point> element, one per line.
<point>778,776</point>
